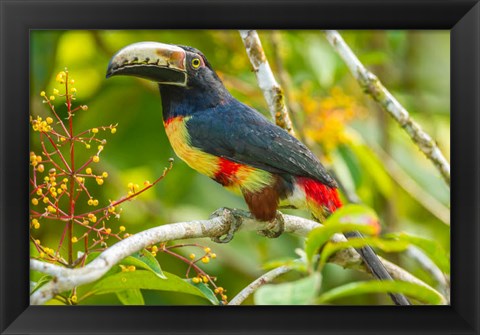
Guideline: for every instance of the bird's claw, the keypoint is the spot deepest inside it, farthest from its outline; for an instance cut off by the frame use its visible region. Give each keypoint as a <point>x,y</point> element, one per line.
<point>234,222</point>
<point>275,228</point>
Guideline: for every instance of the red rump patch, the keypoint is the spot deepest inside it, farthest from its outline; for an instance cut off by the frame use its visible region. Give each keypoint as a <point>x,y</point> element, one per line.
<point>320,193</point>
<point>225,174</point>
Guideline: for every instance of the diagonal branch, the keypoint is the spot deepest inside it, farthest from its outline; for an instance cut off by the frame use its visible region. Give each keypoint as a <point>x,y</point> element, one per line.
<point>271,89</point>
<point>372,85</point>
<point>219,224</point>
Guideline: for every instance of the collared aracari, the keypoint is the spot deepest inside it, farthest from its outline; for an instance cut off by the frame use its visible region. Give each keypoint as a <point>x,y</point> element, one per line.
<point>228,141</point>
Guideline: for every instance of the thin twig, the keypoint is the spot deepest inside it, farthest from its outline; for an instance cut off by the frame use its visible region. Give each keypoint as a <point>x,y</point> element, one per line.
<point>372,85</point>
<point>262,280</point>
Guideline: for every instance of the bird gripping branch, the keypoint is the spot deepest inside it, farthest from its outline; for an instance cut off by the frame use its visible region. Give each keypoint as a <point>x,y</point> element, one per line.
<point>226,140</point>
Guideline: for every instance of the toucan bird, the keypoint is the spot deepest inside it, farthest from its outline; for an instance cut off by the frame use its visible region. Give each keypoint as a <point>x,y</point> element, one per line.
<point>226,140</point>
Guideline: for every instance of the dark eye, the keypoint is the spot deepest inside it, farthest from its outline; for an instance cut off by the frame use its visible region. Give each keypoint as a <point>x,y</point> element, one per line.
<point>196,63</point>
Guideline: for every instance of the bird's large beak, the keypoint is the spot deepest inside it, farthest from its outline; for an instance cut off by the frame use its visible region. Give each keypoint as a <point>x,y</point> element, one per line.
<point>158,62</point>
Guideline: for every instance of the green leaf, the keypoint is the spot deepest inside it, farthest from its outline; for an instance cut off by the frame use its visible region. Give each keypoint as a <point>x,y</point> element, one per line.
<point>145,280</point>
<point>145,260</point>
<point>142,259</point>
<point>348,218</point>
<point>209,294</point>
<point>385,245</point>
<point>372,165</point>
<point>299,292</point>
<point>419,292</point>
<point>431,248</point>
<point>130,297</point>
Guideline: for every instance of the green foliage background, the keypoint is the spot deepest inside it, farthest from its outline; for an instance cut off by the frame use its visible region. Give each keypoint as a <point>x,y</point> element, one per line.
<point>413,65</point>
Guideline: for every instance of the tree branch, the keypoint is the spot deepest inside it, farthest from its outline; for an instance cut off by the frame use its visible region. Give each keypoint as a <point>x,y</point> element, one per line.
<point>262,280</point>
<point>271,89</point>
<point>372,85</point>
<point>219,224</point>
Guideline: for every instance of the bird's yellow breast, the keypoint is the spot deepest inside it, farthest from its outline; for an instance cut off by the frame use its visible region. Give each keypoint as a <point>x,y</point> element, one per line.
<point>234,179</point>
<point>179,138</point>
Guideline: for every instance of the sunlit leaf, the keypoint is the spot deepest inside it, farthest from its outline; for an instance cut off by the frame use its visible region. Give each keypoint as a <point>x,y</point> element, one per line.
<point>385,245</point>
<point>348,218</point>
<point>299,292</point>
<point>431,248</point>
<point>145,280</point>
<point>145,260</point>
<point>419,292</point>
<point>209,294</point>
<point>130,297</point>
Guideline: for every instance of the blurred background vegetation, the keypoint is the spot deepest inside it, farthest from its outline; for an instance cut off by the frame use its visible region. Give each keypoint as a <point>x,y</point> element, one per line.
<point>370,154</point>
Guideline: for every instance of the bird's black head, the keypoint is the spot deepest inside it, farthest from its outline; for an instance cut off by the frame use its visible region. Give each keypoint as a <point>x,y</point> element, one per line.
<point>184,74</point>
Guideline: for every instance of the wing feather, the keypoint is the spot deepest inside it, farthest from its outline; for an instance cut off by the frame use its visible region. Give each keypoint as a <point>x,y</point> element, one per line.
<point>241,134</point>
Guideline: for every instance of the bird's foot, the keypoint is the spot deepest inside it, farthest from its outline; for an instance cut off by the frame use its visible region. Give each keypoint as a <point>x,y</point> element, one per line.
<point>275,228</point>
<point>234,222</point>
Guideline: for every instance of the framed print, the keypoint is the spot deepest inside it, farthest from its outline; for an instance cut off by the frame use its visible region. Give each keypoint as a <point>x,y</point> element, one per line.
<point>268,167</point>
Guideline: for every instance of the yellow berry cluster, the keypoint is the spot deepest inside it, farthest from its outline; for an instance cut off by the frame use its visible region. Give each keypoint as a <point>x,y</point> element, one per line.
<point>35,160</point>
<point>221,291</point>
<point>129,268</point>
<point>41,125</point>
<point>201,279</point>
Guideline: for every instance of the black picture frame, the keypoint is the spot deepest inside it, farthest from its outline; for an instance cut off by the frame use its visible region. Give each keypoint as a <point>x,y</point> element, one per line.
<point>18,17</point>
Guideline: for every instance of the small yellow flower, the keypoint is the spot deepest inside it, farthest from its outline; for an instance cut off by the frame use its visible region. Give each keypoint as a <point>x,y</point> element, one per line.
<point>196,280</point>
<point>154,248</point>
<point>87,146</point>
<point>42,94</point>
<point>205,259</point>
<point>213,255</point>
<point>88,170</point>
<point>55,91</point>
<point>74,240</point>
<point>39,191</point>
<point>96,159</point>
<point>52,97</point>
<point>108,230</point>
<point>100,147</point>
<point>191,256</point>
<point>95,202</point>
<point>90,202</point>
<point>49,120</point>
<point>104,174</point>
<point>84,107</point>
<point>111,209</point>
<point>113,130</point>
<point>99,181</point>
<point>74,299</point>
<point>205,279</point>
<point>34,201</point>
<point>122,228</point>
<point>46,200</point>
<point>207,250</point>
<point>51,209</point>
<point>61,76</point>
<point>73,90</point>
<point>94,130</point>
